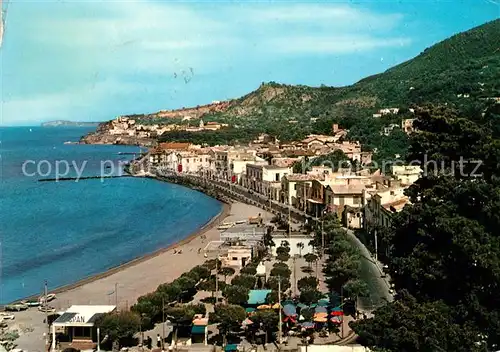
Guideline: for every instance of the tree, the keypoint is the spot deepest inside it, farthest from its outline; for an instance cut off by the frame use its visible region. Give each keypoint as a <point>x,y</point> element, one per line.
<point>272,297</point>
<point>444,248</point>
<point>341,270</point>
<point>118,326</point>
<point>300,246</point>
<point>268,321</point>
<point>180,315</point>
<point>202,271</point>
<point>408,325</point>
<point>247,281</point>
<point>310,258</point>
<point>283,257</point>
<point>209,285</point>
<point>249,270</point>
<point>211,264</point>
<point>227,271</point>
<point>309,295</point>
<point>280,269</point>
<point>149,305</point>
<point>185,283</point>
<point>228,317</point>
<point>307,282</point>
<point>355,288</point>
<point>268,239</point>
<point>236,294</point>
<point>169,292</point>
<point>273,283</point>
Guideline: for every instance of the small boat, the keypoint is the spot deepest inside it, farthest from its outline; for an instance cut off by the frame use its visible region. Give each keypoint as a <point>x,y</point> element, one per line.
<point>46,309</point>
<point>50,297</point>
<point>16,307</point>
<point>241,222</point>
<point>225,225</point>
<point>6,316</point>
<point>31,303</point>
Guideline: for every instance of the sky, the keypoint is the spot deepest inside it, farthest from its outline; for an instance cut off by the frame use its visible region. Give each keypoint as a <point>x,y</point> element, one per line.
<point>95,60</point>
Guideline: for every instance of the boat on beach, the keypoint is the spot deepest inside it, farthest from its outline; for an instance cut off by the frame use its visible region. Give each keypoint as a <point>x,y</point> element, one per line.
<point>46,309</point>
<point>31,303</point>
<point>16,307</point>
<point>224,226</point>
<point>7,316</point>
<point>50,297</point>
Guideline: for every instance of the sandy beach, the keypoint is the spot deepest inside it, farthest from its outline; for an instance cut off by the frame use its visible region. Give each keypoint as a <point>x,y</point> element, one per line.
<point>132,280</point>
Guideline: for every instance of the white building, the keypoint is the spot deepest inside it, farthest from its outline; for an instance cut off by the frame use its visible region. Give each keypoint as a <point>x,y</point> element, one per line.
<point>77,325</point>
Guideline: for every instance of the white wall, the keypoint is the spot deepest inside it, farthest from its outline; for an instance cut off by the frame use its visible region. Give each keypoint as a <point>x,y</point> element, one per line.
<point>293,245</point>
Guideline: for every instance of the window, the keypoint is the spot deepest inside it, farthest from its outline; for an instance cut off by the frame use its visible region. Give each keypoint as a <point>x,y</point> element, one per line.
<point>356,200</point>
<point>235,258</point>
<point>295,187</point>
<point>277,177</point>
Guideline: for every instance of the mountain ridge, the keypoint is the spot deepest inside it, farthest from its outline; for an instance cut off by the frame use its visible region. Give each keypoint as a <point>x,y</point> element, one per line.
<point>459,70</point>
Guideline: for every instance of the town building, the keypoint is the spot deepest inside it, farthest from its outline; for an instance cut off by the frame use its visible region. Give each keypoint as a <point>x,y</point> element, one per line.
<point>407,125</point>
<point>266,179</point>
<point>407,174</point>
<point>76,326</point>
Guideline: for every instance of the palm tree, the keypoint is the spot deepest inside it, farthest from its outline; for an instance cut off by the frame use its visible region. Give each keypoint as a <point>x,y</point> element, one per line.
<point>300,246</point>
<point>227,271</point>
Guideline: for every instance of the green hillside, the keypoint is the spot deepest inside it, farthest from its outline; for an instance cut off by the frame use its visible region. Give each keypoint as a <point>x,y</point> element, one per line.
<point>467,63</point>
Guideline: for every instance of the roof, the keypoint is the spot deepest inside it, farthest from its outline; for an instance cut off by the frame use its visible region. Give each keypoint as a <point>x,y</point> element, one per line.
<point>304,177</point>
<point>175,146</point>
<point>257,296</point>
<point>343,189</point>
<point>397,205</point>
<point>82,315</point>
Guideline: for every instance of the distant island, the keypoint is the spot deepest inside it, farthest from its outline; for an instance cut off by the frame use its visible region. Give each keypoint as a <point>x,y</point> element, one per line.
<point>65,123</point>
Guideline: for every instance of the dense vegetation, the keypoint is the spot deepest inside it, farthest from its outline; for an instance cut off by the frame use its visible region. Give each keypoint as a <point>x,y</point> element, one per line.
<point>467,63</point>
<point>231,136</point>
<point>444,249</point>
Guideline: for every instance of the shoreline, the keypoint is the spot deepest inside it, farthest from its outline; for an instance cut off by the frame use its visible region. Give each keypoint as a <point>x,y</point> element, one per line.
<point>213,222</point>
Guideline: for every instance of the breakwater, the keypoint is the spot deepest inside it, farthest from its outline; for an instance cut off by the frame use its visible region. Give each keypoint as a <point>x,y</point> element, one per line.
<point>79,178</point>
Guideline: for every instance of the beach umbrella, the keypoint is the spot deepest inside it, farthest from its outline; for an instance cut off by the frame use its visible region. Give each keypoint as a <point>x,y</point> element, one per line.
<point>307,325</point>
<point>336,320</point>
<point>302,305</point>
<point>264,306</point>
<point>320,315</point>
<point>290,310</point>
<point>247,322</point>
<point>276,306</point>
<point>323,302</point>
<point>320,319</point>
<point>320,309</point>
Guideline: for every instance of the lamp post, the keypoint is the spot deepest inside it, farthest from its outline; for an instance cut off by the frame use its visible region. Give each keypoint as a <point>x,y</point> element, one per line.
<point>163,325</point>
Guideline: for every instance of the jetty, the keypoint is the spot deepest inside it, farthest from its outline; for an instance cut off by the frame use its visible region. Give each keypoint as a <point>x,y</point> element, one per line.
<point>79,178</point>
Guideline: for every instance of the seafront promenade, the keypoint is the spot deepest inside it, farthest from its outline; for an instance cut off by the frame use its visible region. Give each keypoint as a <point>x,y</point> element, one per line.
<point>131,281</point>
<point>372,273</point>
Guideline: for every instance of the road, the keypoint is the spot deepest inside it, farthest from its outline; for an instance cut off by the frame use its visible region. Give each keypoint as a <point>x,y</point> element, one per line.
<point>373,275</point>
<point>371,270</point>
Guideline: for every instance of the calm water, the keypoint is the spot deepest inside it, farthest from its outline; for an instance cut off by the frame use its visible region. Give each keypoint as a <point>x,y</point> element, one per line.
<point>65,231</point>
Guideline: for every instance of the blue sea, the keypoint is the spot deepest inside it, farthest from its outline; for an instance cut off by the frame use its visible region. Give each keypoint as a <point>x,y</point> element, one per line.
<point>65,231</point>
